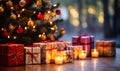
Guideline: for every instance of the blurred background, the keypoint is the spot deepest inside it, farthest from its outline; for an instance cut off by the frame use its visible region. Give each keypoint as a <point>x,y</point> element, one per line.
<point>100,18</point>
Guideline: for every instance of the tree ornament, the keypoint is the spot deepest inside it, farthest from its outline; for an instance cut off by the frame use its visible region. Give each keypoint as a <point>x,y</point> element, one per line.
<point>58,12</point>
<point>9,3</point>
<point>46,16</point>
<point>43,37</point>
<point>40,16</point>
<point>52,14</point>
<point>54,28</point>
<point>38,3</point>
<point>22,3</point>
<point>11,27</point>
<point>19,30</point>
<point>62,31</point>
<point>1,9</point>
<point>51,36</point>
<point>13,16</point>
<point>27,1</point>
<point>5,34</point>
<point>30,23</point>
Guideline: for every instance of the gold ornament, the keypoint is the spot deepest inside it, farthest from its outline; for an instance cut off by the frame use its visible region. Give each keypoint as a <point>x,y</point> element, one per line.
<point>1,9</point>
<point>52,14</point>
<point>30,23</point>
<point>38,3</point>
<point>22,3</point>
<point>46,16</point>
<point>9,3</point>
<point>43,37</point>
<point>62,31</point>
<point>54,28</point>
<point>13,16</point>
<point>11,27</point>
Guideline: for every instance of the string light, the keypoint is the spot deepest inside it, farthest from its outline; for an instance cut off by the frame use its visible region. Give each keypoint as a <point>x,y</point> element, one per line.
<point>34,27</point>
<point>26,28</point>
<point>51,22</point>
<point>14,37</point>
<point>18,15</point>
<point>8,37</point>
<point>34,12</point>
<point>23,10</point>
<point>55,5</point>
<point>49,11</point>
<point>2,29</point>
<point>39,35</point>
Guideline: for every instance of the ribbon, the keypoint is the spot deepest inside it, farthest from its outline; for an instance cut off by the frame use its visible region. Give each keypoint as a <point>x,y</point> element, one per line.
<point>15,58</point>
<point>32,56</point>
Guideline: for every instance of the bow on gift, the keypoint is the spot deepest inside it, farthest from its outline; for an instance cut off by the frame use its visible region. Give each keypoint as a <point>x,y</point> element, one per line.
<point>32,56</point>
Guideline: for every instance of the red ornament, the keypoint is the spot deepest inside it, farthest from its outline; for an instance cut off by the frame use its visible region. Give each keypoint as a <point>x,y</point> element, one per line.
<point>58,12</point>
<point>19,30</point>
<point>40,16</point>
<point>5,34</point>
<point>27,1</point>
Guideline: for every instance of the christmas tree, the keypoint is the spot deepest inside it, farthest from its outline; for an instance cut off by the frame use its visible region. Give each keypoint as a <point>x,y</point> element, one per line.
<point>28,21</point>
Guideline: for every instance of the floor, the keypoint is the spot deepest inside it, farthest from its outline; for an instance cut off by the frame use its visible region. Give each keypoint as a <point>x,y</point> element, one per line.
<point>90,64</point>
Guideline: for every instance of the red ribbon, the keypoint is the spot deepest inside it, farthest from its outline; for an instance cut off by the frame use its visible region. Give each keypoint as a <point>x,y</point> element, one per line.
<point>33,56</point>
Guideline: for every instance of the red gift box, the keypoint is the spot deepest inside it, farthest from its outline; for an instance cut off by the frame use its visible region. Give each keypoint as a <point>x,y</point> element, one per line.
<point>11,54</point>
<point>76,40</point>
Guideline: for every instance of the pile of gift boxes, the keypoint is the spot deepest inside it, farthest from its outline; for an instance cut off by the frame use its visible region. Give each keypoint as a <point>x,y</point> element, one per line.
<point>57,52</point>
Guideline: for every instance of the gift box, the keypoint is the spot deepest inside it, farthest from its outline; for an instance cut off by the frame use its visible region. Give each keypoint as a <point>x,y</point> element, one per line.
<point>11,54</point>
<point>69,56</point>
<point>48,52</point>
<point>106,47</point>
<point>62,45</point>
<point>76,50</point>
<point>32,55</point>
<point>86,43</point>
<point>66,55</point>
<point>75,40</point>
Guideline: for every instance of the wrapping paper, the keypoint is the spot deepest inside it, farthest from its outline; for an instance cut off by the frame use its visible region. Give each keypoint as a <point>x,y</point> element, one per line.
<point>86,43</point>
<point>106,48</point>
<point>76,40</point>
<point>67,55</point>
<point>48,51</point>
<point>76,50</point>
<point>11,54</point>
<point>32,55</point>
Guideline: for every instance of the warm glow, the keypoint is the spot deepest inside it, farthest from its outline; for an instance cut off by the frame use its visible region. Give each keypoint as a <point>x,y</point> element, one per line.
<point>34,12</point>
<point>82,55</point>
<point>55,5</point>
<point>39,35</point>
<point>84,25</point>
<point>25,28</point>
<point>52,28</point>
<point>91,10</point>
<point>18,15</point>
<point>95,53</point>
<point>23,9</point>
<point>51,22</point>
<point>95,64</point>
<point>8,36</point>
<point>74,13</point>
<point>49,11</point>
<point>2,29</point>
<point>14,37</point>
<point>101,18</point>
<point>59,60</point>
<point>34,26</point>
<point>74,22</point>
